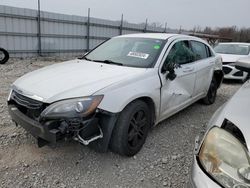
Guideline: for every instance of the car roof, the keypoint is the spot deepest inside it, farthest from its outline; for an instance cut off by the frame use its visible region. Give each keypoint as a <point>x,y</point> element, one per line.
<point>163,36</point>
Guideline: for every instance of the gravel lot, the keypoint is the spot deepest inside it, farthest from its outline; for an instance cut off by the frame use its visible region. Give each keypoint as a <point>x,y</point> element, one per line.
<point>164,161</point>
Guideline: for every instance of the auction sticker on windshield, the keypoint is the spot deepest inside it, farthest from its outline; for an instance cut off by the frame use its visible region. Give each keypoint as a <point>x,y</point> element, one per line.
<point>138,55</point>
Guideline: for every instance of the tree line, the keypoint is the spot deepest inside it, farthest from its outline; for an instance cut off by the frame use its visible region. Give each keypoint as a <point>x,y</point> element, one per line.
<point>233,33</point>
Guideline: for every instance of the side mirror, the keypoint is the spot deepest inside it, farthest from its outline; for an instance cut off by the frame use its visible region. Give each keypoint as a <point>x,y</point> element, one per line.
<point>169,67</point>
<point>243,64</point>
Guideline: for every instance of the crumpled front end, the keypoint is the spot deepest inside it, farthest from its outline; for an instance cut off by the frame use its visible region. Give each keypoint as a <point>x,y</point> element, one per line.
<point>26,112</point>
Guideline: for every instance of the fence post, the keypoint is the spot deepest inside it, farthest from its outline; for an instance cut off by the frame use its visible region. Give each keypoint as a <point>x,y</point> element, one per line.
<point>145,28</point>
<point>88,29</point>
<point>39,29</point>
<point>121,26</point>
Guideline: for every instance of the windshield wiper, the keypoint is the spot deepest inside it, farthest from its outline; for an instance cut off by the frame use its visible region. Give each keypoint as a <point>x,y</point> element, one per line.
<point>108,62</point>
<point>102,61</point>
<point>85,58</point>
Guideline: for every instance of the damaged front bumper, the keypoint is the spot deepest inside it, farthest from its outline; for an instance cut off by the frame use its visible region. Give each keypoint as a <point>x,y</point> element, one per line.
<point>52,131</point>
<point>95,129</point>
<point>33,127</point>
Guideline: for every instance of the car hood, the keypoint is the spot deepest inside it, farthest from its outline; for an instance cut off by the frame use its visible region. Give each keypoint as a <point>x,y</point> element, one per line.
<point>236,110</point>
<point>231,57</point>
<point>72,79</point>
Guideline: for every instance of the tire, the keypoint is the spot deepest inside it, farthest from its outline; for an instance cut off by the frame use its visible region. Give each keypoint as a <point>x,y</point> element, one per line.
<point>4,56</point>
<point>211,94</point>
<point>131,129</point>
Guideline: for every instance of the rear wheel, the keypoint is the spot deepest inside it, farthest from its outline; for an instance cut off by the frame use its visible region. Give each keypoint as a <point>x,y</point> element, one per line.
<point>211,94</point>
<point>4,56</point>
<point>131,129</point>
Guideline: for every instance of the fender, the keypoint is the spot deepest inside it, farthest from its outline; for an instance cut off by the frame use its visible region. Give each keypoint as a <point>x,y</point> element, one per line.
<point>119,95</point>
<point>146,85</point>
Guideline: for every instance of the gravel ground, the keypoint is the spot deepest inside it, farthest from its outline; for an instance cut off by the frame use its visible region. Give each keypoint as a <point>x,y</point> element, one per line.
<point>164,161</point>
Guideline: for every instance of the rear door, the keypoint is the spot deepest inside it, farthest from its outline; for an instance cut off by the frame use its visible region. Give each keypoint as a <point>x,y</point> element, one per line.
<point>177,93</point>
<point>204,64</point>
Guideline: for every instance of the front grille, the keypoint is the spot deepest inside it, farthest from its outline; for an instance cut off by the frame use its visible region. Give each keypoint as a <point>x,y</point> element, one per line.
<point>227,70</point>
<point>25,101</point>
<point>32,108</point>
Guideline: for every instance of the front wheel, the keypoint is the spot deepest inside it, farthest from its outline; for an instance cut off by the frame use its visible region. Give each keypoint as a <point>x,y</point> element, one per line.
<point>211,94</point>
<point>131,129</point>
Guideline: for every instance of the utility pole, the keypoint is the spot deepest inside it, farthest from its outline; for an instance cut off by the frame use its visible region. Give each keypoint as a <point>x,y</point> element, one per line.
<point>180,30</point>
<point>121,26</point>
<point>166,24</point>
<point>146,25</point>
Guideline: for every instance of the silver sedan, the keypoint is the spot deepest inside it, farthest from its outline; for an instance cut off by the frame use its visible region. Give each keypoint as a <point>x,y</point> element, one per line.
<point>222,157</point>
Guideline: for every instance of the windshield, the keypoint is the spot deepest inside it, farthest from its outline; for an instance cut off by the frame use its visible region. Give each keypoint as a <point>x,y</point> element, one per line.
<point>129,51</point>
<point>238,49</point>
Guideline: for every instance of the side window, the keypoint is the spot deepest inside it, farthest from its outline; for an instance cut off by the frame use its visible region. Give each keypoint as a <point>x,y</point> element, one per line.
<point>209,53</point>
<point>180,53</point>
<point>199,50</point>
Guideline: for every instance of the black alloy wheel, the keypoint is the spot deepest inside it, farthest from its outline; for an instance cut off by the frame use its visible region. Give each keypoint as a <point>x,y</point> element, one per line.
<point>137,129</point>
<point>131,129</point>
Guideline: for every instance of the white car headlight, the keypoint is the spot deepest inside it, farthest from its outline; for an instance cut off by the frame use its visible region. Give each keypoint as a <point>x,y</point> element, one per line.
<point>225,158</point>
<point>71,108</point>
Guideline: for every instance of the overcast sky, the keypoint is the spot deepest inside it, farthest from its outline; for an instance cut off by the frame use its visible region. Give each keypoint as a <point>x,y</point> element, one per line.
<point>185,13</point>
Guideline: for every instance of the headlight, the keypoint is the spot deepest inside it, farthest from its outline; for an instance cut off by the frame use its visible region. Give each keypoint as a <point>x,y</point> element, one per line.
<point>71,108</point>
<point>224,157</point>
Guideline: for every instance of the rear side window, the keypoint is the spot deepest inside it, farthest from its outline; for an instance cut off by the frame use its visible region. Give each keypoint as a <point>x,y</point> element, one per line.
<point>200,50</point>
<point>209,53</point>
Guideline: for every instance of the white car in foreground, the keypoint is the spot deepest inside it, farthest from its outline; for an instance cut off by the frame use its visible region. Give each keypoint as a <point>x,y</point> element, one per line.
<point>230,53</point>
<point>113,95</point>
<point>222,158</point>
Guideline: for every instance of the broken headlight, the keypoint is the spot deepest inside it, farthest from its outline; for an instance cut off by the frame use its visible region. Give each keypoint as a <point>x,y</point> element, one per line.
<point>72,108</point>
<point>225,158</point>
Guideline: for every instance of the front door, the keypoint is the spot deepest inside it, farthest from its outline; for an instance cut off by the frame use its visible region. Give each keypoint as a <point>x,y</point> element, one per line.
<point>177,93</point>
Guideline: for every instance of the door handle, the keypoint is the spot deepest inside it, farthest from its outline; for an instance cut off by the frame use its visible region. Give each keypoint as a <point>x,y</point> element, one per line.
<point>188,69</point>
